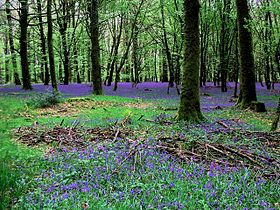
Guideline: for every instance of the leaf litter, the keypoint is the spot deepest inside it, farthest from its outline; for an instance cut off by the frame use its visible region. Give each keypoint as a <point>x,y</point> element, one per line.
<point>262,157</point>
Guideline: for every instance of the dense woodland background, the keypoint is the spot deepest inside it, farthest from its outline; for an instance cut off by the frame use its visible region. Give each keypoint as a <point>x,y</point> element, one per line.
<point>139,41</point>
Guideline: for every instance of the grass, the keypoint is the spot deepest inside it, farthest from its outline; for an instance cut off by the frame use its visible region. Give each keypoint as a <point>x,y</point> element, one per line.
<point>11,153</point>
<point>99,175</point>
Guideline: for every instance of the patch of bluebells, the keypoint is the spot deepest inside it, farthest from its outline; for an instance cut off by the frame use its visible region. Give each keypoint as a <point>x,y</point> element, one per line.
<point>210,98</point>
<point>109,177</point>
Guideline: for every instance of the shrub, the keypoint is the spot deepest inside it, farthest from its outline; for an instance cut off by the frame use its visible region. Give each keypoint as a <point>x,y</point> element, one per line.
<point>45,100</point>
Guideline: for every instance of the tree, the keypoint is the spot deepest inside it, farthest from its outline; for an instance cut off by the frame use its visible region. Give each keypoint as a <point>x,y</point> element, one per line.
<point>166,47</point>
<point>44,74</point>
<point>11,41</point>
<point>95,49</point>
<point>189,108</point>
<point>63,23</point>
<point>50,46</point>
<point>225,42</point>
<point>23,45</point>
<point>276,118</point>
<point>247,75</point>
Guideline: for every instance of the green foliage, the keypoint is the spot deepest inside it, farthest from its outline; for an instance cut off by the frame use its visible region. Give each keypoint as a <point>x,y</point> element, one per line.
<point>44,100</point>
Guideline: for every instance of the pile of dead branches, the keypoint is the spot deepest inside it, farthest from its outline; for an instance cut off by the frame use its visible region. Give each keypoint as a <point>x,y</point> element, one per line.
<point>267,165</point>
<point>71,137</point>
<point>263,158</point>
<point>57,136</point>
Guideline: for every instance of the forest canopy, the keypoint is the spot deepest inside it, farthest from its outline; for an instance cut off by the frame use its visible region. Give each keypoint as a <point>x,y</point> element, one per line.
<point>139,41</point>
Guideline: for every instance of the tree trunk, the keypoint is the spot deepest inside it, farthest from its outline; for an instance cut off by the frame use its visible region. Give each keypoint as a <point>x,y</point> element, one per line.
<point>50,46</point>
<point>189,108</point>
<point>45,76</point>
<point>236,77</point>
<point>7,54</point>
<point>125,55</point>
<point>116,44</point>
<point>135,57</point>
<point>166,48</point>
<point>224,43</point>
<point>155,65</point>
<point>95,50</point>
<point>164,75</point>
<point>247,75</point>
<point>23,46</point>
<point>65,57</point>
<point>276,119</point>
<point>11,41</point>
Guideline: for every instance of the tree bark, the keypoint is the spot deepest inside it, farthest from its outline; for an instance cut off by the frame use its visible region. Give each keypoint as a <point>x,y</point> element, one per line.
<point>224,43</point>
<point>247,72</point>
<point>166,48</point>
<point>95,50</point>
<point>50,46</point>
<point>7,54</point>
<point>189,108</point>
<point>116,44</point>
<point>11,41</point>
<point>164,74</point>
<point>276,118</point>
<point>23,46</point>
<point>135,57</point>
<point>45,76</point>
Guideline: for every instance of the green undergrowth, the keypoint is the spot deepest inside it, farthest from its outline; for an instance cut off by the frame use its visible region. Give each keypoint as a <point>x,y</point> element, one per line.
<point>148,119</point>
<point>12,154</point>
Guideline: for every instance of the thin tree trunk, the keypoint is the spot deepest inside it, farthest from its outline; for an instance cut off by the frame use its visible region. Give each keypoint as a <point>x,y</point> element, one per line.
<point>11,41</point>
<point>125,55</point>
<point>45,76</point>
<point>164,75</point>
<point>116,43</point>
<point>65,57</point>
<point>7,54</point>
<point>135,58</point>
<point>236,64</point>
<point>276,119</point>
<point>155,65</point>
<point>50,46</point>
<point>224,42</point>
<point>166,48</point>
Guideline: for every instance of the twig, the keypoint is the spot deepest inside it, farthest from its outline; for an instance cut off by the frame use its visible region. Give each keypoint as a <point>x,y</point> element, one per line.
<point>140,117</point>
<point>170,109</point>
<point>223,124</point>
<point>61,123</point>
<point>242,155</point>
<point>116,135</point>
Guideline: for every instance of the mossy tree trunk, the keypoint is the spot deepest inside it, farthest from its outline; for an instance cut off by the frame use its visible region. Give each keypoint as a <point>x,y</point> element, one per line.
<point>50,46</point>
<point>95,49</point>
<point>189,108</point>
<point>247,74</point>
<point>26,83</point>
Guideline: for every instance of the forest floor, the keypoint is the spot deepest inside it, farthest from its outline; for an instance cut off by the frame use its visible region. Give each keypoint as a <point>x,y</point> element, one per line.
<point>124,150</point>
